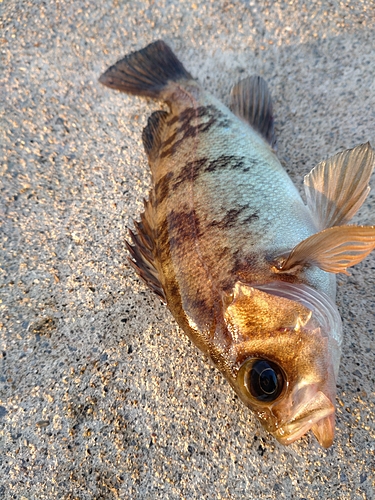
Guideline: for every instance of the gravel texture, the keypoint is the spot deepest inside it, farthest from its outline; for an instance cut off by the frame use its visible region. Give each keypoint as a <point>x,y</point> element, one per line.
<point>101,395</point>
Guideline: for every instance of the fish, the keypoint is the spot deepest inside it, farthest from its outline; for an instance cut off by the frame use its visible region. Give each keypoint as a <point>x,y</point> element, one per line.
<point>246,267</point>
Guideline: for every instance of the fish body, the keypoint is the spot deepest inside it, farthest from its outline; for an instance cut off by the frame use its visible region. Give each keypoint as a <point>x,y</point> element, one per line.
<point>246,268</point>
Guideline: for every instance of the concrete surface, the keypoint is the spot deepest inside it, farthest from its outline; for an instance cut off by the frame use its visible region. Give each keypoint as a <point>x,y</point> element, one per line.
<point>102,397</point>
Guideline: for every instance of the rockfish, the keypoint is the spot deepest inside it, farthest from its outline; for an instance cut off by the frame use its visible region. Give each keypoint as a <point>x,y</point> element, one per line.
<point>225,240</point>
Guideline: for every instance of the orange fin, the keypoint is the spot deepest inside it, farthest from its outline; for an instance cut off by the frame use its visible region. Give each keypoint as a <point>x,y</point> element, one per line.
<point>142,252</point>
<point>333,249</point>
<point>336,188</point>
<point>251,100</point>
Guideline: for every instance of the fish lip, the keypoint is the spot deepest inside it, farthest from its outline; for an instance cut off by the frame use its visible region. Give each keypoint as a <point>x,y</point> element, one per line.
<point>295,428</point>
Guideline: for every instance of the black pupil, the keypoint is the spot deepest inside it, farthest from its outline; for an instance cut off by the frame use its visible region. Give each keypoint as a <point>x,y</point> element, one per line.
<point>266,381</point>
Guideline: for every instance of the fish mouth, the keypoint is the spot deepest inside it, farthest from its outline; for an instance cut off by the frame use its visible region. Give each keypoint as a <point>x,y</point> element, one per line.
<point>320,420</point>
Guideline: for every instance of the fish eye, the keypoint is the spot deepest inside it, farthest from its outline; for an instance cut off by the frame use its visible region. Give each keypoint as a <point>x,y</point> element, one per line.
<point>264,380</point>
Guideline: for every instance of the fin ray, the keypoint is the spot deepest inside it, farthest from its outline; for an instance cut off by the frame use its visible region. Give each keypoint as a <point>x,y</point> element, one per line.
<point>336,188</point>
<point>333,249</point>
<point>151,135</point>
<point>251,100</point>
<point>145,72</point>
<point>142,252</point>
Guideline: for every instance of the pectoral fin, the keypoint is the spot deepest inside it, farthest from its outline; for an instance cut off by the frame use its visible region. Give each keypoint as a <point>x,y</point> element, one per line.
<point>333,249</point>
<point>336,188</point>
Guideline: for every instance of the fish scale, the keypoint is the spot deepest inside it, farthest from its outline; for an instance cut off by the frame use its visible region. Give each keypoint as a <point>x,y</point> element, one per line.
<point>214,186</point>
<point>246,268</point>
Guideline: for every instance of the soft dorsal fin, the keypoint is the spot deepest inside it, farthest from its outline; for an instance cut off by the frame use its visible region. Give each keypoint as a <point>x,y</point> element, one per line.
<point>142,252</point>
<point>336,188</point>
<point>251,100</point>
<point>333,249</point>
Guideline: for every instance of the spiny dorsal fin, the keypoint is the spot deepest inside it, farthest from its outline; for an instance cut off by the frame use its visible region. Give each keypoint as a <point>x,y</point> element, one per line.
<point>333,249</point>
<point>151,135</point>
<point>336,188</point>
<point>251,100</point>
<point>145,72</point>
<point>142,252</point>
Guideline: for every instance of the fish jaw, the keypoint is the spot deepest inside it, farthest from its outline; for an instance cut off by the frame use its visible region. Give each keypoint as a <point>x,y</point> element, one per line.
<point>324,431</point>
<point>313,413</point>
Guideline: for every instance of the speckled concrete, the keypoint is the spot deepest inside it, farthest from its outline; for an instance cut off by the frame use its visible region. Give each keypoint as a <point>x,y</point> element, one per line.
<point>102,396</point>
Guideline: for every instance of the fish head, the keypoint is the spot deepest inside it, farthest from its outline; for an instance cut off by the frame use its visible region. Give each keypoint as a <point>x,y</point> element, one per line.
<point>284,357</point>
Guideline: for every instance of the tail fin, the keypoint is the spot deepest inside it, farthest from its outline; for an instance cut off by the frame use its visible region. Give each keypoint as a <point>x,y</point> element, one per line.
<point>146,72</point>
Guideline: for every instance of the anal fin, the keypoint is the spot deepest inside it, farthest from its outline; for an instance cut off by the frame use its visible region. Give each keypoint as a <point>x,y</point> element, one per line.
<point>251,100</point>
<point>142,252</point>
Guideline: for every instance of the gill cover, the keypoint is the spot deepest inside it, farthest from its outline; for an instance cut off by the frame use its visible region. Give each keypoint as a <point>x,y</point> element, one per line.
<point>286,341</point>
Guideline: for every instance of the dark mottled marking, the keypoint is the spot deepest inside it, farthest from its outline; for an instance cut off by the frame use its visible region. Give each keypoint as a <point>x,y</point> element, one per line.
<point>231,162</point>
<point>200,305</point>
<point>183,227</point>
<point>168,152</point>
<point>224,251</point>
<point>180,221</point>
<point>226,161</point>
<point>238,262</point>
<point>173,120</point>
<point>250,163</point>
<point>230,219</point>
<point>190,172</point>
<point>251,218</point>
<point>163,235</point>
<point>189,113</point>
<point>188,130</point>
<point>151,133</point>
<point>243,266</point>
<point>169,141</point>
<point>174,289</point>
<point>162,187</point>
